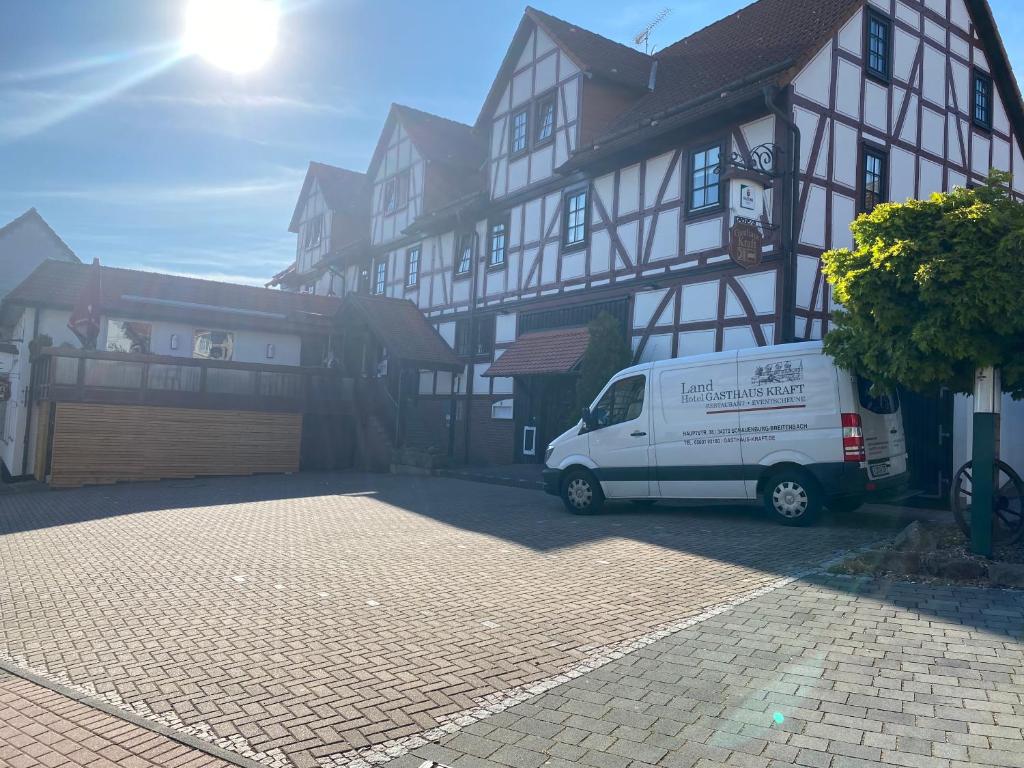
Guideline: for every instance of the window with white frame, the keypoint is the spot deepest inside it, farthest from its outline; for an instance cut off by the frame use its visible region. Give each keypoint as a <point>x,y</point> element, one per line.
<point>574,227</point>
<point>706,178</point>
<point>498,242</point>
<point>519,136</point>
<point>464,256</point>
<point>129,336</point>
<point>412,266</point>
<point>380,277</point>
<point>391,195</point>
<point>314,232</point>
<point>213,345</point>
<point>503,409</point>
<point>545,119</point>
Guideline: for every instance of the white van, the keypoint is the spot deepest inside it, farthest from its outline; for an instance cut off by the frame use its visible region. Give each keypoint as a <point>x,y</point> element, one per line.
<point>781,424</point>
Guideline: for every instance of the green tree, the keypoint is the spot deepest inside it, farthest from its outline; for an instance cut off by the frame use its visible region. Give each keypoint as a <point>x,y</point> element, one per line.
<point>932,291</point>
<point>607,354</point>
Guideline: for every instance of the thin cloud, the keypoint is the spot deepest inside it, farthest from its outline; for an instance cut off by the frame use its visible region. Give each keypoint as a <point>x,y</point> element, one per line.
<point>232,101</point>
<point>52,108</point>
<point>136,194</point>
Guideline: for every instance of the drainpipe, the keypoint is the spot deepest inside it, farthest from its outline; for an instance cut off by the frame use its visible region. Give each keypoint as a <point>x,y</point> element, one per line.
<point>471,368</point>
<point>791,227</point>
<point>29,394</point>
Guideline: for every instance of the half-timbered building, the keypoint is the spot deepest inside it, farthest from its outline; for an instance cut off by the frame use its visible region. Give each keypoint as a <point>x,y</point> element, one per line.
<point>689,193</point>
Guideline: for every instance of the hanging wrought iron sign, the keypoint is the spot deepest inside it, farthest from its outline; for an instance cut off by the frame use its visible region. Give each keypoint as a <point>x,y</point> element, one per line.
<point>746,243</point>
<point>5,389</point>
<point>758,162</point>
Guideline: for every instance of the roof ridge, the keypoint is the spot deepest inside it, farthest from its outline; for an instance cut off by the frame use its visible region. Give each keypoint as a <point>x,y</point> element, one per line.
<point>331,167</point>
<point>169,275</point>
<point>536,11</point>
<point>33,213</point>
<point>407,108</point>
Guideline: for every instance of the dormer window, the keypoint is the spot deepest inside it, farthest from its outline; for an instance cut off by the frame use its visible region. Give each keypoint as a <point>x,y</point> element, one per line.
<point>314,232</point>
<point>545,119</point>
<point>519,138</point>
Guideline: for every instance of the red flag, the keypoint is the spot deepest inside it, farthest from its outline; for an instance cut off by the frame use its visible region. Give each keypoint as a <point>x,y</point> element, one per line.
<point>85,319</point>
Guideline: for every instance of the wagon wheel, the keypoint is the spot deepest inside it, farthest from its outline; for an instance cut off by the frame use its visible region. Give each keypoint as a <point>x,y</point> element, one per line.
<point>1008,514</point>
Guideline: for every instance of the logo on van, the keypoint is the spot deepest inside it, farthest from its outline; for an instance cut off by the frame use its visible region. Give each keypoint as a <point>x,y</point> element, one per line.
<point>778,373</point>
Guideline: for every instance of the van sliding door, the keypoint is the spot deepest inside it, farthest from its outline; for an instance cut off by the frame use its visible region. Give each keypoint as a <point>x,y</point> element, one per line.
<point>697,444</point>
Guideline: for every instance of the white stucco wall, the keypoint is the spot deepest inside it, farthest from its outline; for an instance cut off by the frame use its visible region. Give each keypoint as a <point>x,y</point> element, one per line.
<point>23,248</point>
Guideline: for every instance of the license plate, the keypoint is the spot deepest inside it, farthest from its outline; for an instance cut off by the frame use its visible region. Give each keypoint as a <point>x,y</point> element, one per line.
<point>883,469</point>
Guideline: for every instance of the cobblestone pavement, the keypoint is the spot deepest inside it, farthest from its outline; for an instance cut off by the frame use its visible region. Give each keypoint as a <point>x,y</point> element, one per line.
<point>829,674</point>
<point>42,729</point>
<point>309,619</point>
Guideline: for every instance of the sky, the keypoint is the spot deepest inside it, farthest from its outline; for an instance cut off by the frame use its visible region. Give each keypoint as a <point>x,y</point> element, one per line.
<point>147,158</point>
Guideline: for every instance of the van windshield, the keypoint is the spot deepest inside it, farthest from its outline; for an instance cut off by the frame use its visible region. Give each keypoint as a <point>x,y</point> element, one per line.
<point>883,404</point>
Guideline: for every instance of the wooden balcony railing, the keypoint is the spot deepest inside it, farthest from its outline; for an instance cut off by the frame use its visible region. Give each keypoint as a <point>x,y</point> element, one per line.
<point>87,376</point>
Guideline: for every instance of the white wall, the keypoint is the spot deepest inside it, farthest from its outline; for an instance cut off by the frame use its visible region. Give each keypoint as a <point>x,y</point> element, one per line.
<point>401,156</point>
<point>22,249</point>
<point>542,68</point>
<point>12,437</point>
<point>250,346</point>
<point>315,207</point>
<point>1011,449</point>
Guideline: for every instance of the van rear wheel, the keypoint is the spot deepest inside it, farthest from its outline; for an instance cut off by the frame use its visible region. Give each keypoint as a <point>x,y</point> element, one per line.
<point>581,493</point>
<point>793,498</point>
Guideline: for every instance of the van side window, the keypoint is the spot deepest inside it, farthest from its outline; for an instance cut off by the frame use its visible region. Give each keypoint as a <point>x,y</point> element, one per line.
<point>883,404</point>
<point>623,402</point>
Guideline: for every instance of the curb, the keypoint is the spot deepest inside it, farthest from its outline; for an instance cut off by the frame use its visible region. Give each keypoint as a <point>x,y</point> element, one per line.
<point>200,745</point>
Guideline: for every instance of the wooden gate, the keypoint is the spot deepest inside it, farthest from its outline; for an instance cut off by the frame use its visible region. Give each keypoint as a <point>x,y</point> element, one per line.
<point>928,423</point>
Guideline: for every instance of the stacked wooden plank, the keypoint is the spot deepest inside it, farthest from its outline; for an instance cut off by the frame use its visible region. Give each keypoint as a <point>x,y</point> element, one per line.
<point>96,443</point>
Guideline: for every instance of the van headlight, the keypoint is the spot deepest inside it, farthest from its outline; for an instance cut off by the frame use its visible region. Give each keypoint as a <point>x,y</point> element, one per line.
<point>548,452</point>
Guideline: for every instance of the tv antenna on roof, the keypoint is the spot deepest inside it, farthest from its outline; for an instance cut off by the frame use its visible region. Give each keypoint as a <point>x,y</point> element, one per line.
<point>643,37</point>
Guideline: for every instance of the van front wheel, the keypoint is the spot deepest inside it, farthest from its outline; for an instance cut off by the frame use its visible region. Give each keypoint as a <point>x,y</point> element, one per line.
<point>793,498</point>
<point>581,493</point>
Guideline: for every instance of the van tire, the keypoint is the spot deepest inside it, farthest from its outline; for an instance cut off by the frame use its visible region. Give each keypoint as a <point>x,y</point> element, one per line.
<point>581,493</point>
<point>793,497</point>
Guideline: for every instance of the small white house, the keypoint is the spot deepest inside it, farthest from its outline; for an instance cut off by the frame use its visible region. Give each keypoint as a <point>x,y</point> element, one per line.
<point>24,244</point>
<point>147,315</point>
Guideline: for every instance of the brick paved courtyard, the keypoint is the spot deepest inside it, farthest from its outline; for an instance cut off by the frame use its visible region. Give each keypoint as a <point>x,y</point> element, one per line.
<point>304,619</point>
<point>828,674</point>
<point>42,729</point>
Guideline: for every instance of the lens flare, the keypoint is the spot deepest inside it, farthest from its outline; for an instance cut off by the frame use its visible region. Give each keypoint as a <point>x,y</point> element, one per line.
<point>236,35</point>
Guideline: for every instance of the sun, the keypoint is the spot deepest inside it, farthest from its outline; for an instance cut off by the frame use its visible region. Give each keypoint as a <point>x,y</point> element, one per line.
<point>236,35</point>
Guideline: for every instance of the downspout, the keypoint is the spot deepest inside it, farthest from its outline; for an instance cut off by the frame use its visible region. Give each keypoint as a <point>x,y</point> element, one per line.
<point>29,395</point>
<point>471,368</point>
<point>791,227</point>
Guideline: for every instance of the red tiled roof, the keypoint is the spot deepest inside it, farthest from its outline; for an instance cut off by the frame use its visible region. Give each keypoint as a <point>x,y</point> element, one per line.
<point>726,62</point>
<point>59,284</point>
<point>597,56</point>
<point>344,190</point>
<point>547,352</point>
<point>441,140</point>
<point>399,325</point>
